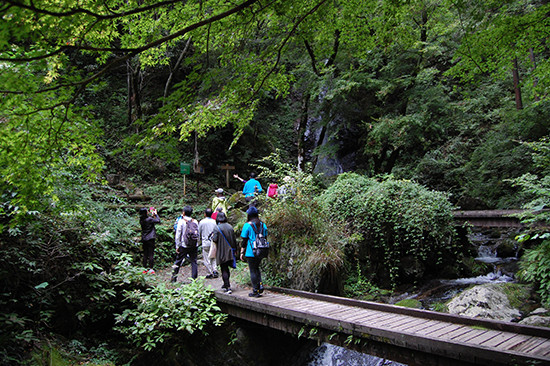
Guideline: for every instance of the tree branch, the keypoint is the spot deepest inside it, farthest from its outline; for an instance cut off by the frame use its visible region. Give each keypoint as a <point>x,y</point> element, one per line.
<point>138,50</point>
<point>312,57</point>
<point>279,51</point>
<point>77,11</point>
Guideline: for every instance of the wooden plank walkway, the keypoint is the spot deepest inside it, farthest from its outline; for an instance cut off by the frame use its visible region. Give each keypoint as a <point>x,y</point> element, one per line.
<point>474,341</point>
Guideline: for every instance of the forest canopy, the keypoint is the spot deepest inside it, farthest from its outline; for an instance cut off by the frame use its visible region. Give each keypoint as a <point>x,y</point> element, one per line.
<point>414,83</point>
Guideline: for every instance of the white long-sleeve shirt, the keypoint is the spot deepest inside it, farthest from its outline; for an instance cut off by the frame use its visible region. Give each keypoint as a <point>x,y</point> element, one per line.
<point>206,227</point>
<point>180,231</point>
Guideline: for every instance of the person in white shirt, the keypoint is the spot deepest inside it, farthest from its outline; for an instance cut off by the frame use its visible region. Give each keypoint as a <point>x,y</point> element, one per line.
<point>206,228</point>
<point>186,243</point>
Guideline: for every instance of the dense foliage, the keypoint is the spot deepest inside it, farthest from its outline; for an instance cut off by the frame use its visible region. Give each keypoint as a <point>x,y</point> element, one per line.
<point>69,270</point>
<point>406,230</point>
<point>449,94</point>
<point>535,263</point>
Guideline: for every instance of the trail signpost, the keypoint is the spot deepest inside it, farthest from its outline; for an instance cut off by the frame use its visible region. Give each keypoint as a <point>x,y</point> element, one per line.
<point>227,168</point>
<point>185,169</point>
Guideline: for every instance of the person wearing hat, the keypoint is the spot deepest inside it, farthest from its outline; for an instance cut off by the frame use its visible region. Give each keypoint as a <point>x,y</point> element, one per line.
<point>248,235</point>
<point>219,201</point>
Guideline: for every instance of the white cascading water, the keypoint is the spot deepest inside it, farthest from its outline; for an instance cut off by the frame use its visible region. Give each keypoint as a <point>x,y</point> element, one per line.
<point>330,355</point>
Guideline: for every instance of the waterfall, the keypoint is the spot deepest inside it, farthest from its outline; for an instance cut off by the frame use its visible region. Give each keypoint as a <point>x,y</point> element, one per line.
<point>330,355</point>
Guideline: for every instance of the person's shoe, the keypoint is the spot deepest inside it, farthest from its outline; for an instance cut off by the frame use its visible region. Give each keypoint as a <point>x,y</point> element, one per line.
<point>216,274</point>
<point>209,276</point>
<point>151,271</point>
<point>254,294</point>
<point>174,279</point>
<point>261,290</point>
<point>229,292</point>
<point>144,271</point>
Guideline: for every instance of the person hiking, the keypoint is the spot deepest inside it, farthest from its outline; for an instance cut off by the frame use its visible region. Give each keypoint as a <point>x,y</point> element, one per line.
<point>148,219</point>
<point>251,187</point>
<point>206,228</point>
<point>187,236</point>
<point>215,214</point>
<point>248,235</point>
<point>226,242</point>
<point>219,201</point>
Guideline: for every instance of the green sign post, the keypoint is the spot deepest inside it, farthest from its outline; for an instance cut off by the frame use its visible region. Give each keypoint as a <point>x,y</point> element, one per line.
<point>185,169</point>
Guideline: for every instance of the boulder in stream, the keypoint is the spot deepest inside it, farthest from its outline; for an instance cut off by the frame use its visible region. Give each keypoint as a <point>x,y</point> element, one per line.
<point>484,301</point>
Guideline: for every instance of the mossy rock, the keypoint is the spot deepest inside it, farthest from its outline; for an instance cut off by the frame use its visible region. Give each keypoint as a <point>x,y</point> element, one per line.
<point>410,303</point>
<point>518,294</point>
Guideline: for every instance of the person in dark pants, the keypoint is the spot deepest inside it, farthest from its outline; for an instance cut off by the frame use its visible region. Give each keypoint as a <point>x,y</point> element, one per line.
<point>148,219</point>
<point>226,245</point>
<point>185,249</point>
<point>249,235</point>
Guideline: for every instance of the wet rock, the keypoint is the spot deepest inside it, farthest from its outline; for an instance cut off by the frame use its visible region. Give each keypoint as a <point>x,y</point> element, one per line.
<point>540,311</point>
<point>537,320</point>
<point>484,301</point>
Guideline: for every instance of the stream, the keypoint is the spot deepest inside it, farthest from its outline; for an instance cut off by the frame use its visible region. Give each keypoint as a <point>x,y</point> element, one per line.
<point>434,292</point>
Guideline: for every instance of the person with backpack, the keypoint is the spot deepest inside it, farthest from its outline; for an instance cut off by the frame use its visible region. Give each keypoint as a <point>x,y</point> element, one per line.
<point>187,238</point>
<point>226,242</point>
<point>206,228</point>
<point>253,229</point>
<point>272,190</point>
<point>147,220</point>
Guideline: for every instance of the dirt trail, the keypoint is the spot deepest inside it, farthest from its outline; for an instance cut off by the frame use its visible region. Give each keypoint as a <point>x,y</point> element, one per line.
<point>184,276</point>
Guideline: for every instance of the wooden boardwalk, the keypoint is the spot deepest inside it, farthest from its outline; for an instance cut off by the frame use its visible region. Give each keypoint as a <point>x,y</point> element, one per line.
<point>443,339</point>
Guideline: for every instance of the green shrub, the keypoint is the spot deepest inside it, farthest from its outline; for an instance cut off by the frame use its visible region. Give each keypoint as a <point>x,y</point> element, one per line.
<point>535,262</point>
<point>307,246</point>
<point>535,268</point>
<point>358,286</point>
<point>160,314</point>
<point>407,230</point>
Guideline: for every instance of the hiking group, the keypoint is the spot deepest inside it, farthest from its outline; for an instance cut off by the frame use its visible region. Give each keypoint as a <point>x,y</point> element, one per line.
<point>218,241</point>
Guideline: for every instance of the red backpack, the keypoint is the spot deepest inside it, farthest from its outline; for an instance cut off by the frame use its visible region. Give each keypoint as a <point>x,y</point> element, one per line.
<point>272,190</point>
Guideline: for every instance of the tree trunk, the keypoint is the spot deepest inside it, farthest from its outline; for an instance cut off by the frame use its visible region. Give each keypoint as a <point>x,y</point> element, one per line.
<point>517,90</point>
<point>130,88</point>
<point>172,71</point>
<point>301,130</point>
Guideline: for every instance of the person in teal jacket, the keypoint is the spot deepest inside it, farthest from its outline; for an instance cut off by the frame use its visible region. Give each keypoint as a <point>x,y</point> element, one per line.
<point>249,235</point>
<point>251,186</point>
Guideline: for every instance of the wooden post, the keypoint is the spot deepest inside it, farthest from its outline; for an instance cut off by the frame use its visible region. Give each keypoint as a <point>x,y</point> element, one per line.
<point>227,168</point>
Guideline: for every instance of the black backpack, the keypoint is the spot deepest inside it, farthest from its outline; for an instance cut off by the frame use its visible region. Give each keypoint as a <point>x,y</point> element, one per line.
<point>260,246</point>
<point>191,234</point>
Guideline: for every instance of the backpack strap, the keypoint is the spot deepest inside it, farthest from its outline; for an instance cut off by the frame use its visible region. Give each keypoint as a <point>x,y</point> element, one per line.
<point>257,230</point>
